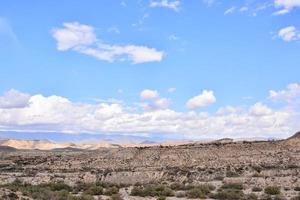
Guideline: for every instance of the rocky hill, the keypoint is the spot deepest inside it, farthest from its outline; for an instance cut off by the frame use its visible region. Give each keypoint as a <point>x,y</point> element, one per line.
<point>265,169</point>
<point>294,140</point>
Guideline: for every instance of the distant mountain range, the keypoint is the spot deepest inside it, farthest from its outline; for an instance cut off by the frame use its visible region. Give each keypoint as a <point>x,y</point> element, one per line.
<point>93,142</point>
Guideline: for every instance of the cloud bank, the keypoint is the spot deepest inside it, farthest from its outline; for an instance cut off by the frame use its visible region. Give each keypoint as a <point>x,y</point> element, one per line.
<point>59,114</point>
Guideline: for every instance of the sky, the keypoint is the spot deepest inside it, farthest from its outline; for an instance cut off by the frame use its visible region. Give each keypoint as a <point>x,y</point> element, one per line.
<point>172,69</point>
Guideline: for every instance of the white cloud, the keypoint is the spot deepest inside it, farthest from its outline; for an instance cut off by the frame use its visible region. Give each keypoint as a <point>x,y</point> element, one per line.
<point>59,114</point>
<point>81,38</point>
<point>74,35</point>
<point>204,99</point>
<point>289,33</point>
<point>14,99</point>
<point>174,5</point>
<point>289,95</point>
<point>260,109</point>
<point>230,10</point>
<point>148,94</point>
<point>286,5</point>
<point>152,100</point>
<point>156,104</point>
<point>228,110</point>
<point>281,12</point>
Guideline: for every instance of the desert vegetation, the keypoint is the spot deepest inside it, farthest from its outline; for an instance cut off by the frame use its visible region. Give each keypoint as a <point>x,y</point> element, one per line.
<point>234,170</point>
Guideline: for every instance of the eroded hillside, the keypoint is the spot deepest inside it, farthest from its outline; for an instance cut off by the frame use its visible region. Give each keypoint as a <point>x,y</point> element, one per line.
<point>251,164</point>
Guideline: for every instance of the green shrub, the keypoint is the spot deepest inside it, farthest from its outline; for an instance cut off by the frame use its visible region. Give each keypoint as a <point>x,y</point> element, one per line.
<point>251,197</point>
<point>94,190</point>
<point>152,190</point>
<point>233,186</point>
<point>272,190</point>
<point>116,197</point>
<point>82,197</point>
<point>229,195</point>
<point>111,190</point>
<point>177,186</point>
<point>200,191</point>
<point>58,186</point>
<point>195,193</point>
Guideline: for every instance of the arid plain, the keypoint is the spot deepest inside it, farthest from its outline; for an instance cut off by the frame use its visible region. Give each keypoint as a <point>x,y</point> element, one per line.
<point>221,169</point>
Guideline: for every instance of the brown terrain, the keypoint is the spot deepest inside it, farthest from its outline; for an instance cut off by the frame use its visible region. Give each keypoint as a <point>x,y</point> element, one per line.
<point>221,169</point>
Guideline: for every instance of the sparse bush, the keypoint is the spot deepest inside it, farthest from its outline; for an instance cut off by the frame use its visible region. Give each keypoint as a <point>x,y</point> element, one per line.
<point>116,197</point>
<point>82,197</point>
<point>50,191</point>
<point>251,197</point>
<point>272,190</point>
<point>229,195</point>
<point>232,174</point>
<point>233,186</point>
<point>111,190</point>
<point>152,190</point>
<point>58,186</point>
<point>256,189</point>
<point>195,193</point>
<point>94,190</point>
<point>177,186</point>
<point>200,191</point>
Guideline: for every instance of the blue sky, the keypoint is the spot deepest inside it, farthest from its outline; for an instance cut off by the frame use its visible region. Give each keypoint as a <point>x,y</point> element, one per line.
<point>192,59</point>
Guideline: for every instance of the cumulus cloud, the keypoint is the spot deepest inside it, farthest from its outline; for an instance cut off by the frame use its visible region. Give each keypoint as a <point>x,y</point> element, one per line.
<point>229,110</point>
<point>152,100</point>
<point>291,93</point>
<point>289,33</point>
<point>204,99</point>
<point>148,94</point>
<point>156,104</point>
<point>286,5</point>
<point>260,109</point>
<point>174,5</point>
<point>14,99</point>
<point>82,39</point>
<point>55,113</point>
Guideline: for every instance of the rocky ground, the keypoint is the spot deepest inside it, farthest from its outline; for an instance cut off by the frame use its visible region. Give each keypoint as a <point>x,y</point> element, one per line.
<point>231,170</point>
